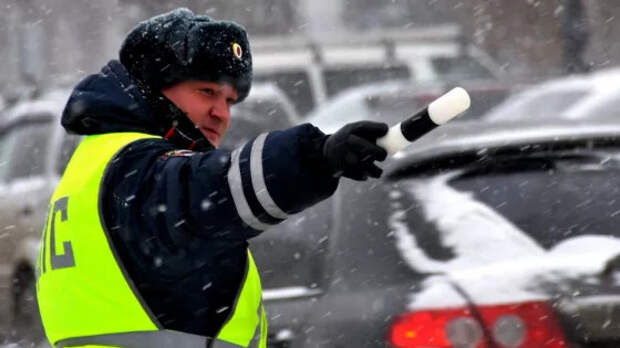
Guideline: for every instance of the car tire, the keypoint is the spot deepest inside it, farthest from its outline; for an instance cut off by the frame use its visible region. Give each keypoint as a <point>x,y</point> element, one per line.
<point>27,328</point>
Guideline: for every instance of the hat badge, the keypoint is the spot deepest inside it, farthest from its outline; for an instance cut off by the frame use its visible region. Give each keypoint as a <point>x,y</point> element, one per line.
<point>237,50</point>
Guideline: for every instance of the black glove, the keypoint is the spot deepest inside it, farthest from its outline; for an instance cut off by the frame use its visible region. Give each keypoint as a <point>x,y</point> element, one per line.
<point>351,151</point>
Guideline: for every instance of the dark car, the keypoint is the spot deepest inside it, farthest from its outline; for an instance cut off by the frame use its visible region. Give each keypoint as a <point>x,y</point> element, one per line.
<point>478,235</point>
<point>266,108</point>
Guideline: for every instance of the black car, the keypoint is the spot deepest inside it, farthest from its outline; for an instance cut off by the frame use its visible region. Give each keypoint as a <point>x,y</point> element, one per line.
<point>478,235</point>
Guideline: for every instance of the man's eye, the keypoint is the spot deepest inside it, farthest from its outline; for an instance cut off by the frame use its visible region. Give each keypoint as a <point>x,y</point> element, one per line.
<point>231,101</point>
<point>208,91</point>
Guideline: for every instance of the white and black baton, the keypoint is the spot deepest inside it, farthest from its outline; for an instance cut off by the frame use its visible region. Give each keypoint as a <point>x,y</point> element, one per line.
<point>438,112</point>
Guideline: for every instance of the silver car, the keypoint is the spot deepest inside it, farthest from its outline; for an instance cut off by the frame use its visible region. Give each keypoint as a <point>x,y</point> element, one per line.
<point>34,150</point>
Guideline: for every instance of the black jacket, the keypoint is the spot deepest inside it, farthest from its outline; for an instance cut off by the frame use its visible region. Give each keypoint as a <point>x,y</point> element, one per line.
<point>174,217</point>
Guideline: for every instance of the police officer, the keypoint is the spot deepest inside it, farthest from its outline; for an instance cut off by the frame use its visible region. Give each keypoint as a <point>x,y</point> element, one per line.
<point>146,240</point>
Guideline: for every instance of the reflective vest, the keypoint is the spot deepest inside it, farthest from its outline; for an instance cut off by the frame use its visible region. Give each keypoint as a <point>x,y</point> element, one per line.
<point>86,298</point>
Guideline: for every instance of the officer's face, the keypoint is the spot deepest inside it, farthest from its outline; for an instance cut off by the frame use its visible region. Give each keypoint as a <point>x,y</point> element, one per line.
<point>207,104</point>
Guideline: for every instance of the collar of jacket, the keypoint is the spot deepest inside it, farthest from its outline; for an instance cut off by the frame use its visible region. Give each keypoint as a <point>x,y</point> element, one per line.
<point>179,128</point>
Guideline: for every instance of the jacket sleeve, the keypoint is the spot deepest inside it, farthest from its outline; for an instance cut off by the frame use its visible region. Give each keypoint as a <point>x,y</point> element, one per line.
<point>218,194</point>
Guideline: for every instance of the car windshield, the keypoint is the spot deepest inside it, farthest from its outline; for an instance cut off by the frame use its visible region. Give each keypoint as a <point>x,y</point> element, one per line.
<point>296,86</point>
<point>254,117</point>
<point>539,105</point>
<point>460,68</point>
<point>22,152</point>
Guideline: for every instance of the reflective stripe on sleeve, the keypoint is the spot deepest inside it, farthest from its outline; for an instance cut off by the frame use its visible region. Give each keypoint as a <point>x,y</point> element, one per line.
<point>236,190</point>
<point>258,179</point>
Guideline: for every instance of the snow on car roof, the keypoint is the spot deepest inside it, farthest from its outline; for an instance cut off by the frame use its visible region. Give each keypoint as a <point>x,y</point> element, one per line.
<point>579,92</point>
<point>50,103</point>
<point>495,262</point>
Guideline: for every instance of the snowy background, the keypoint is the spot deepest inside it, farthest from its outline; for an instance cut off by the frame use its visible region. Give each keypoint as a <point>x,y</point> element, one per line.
<point>49,44</point>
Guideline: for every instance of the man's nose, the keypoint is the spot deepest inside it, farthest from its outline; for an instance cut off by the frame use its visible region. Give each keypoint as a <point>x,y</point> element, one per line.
<point>221,110</point>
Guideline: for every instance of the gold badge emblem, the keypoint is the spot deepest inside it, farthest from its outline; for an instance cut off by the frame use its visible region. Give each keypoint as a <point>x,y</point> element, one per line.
<point>237,50</point>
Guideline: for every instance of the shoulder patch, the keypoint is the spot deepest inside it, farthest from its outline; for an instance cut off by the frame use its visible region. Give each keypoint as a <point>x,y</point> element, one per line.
<point>178,153</point>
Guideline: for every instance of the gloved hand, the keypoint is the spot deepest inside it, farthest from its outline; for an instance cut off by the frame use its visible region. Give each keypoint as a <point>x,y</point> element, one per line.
<point>352,151</point>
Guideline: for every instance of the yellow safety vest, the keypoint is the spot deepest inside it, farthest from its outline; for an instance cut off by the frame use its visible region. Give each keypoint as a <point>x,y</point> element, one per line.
<point>85,297</point>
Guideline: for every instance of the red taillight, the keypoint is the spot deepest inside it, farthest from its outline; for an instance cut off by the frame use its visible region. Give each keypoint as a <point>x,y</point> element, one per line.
<point>424,329</point>
<point>523,325</point>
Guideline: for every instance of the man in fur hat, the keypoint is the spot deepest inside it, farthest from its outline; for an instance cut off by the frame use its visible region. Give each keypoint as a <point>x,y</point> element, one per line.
<point>146,242</point>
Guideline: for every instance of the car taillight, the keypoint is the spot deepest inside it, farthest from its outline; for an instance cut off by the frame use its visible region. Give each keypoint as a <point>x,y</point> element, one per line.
<point>522,325</point>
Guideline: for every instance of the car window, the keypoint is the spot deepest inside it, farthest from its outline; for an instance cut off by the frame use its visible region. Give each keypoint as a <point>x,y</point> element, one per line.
<point>296,86</point>
<point>269,112</point>
<point>459,68</point>
<point>69,143</point>
<point>338,79</point>
<point>254,117</point>
<point>483,100</point>
<point>551,200</point>
<point>24,150</point>
<point>505,209</point>
<point>7,144</point>
<point>366,245</point>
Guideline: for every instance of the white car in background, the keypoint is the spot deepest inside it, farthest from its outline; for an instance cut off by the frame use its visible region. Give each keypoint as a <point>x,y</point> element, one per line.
<point>577,97</point>
<point>311,72</point>
<point>34,149</point>
<point>392,101</point>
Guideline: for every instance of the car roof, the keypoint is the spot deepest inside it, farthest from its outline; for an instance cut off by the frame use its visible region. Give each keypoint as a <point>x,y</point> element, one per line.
<point>478,139</point>
<point>595,84</point>
<point>48,105</point>
<point>600,79</point>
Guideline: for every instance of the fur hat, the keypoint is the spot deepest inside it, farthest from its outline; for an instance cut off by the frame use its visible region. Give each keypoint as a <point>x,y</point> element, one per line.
<point>178,46</point>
